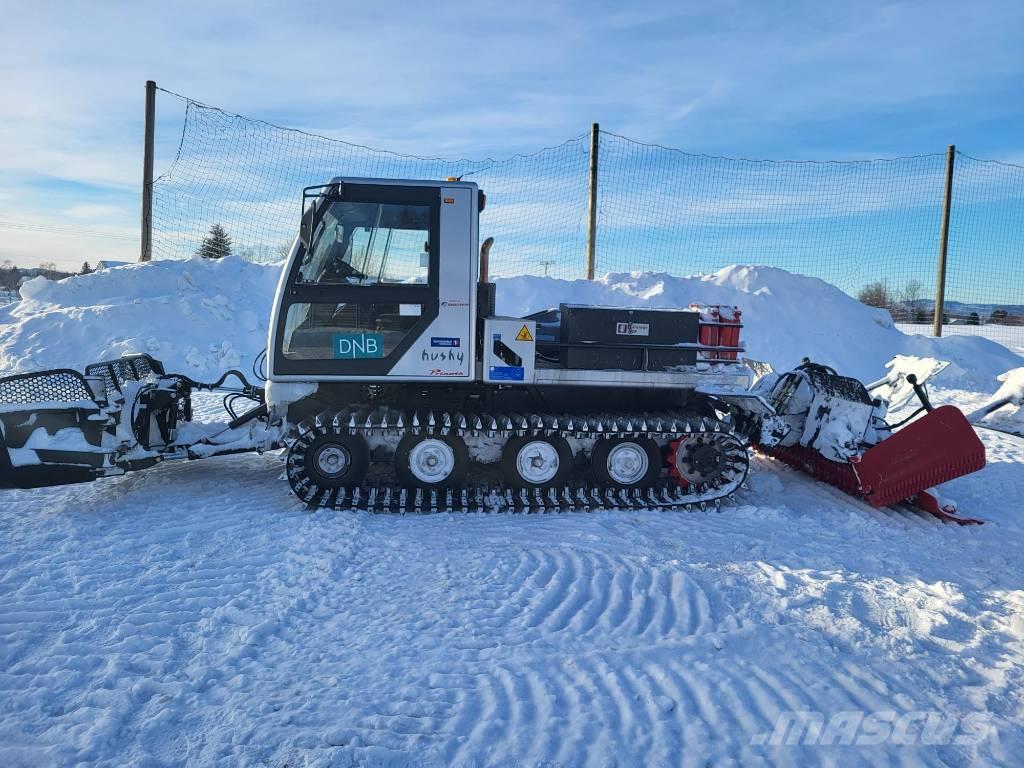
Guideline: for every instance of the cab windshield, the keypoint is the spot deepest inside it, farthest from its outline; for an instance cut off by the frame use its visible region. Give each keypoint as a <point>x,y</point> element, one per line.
<point>369,244</point>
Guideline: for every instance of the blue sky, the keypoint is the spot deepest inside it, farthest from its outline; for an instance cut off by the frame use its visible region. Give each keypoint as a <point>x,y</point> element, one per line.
<point>800,80</point>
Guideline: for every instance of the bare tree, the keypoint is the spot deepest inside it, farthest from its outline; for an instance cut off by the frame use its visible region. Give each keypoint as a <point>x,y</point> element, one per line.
<point>908,307</point>
<point>875,295</point>
<point>912,291</point>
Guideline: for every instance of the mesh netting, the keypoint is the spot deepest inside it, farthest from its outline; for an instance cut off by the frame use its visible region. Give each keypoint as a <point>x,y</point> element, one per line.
<point>869,227</point>
<point>850,223</point>
<point>985,272</point>
<point>248,176</point>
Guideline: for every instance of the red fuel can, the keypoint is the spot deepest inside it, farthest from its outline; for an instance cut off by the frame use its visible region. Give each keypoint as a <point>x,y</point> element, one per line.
<point>708,330</point>
<point>719,327</point>
<point>729,333</point>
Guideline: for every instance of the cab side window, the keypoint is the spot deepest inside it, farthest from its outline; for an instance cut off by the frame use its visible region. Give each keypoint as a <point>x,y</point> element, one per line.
<point>369,244</point>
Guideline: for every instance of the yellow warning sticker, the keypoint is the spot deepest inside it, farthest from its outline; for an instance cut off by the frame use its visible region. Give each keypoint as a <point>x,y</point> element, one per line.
<point>524,335</point>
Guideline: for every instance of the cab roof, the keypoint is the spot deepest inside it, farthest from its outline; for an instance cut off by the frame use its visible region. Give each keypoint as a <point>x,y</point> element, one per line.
<point>403,182</point>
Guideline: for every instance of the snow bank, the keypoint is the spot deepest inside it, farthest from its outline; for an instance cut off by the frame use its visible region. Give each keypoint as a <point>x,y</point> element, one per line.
<point>1012,387</point>
<point>201,316</point>
<point>786,317</point>
<point>1011,390</point>
<point>198,316</point>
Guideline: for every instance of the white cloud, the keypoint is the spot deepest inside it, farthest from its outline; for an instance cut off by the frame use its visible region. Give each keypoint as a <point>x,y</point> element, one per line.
<point>94,213</point>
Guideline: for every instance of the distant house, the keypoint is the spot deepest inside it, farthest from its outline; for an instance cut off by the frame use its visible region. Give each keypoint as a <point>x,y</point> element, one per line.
<point>108,264</point>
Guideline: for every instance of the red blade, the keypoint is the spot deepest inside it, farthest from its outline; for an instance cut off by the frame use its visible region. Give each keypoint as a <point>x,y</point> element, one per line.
<point>811,462</point>
<point>930,501</point>
<point>938,447</point>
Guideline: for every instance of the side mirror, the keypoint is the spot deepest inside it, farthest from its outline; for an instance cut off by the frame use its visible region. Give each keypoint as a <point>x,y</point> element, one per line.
<point>306,227</point>
<point>314,194</point>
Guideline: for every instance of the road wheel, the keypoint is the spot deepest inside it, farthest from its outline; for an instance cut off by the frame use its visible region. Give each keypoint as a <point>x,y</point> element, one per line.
<point>536,462</point>
<point>626,462</point>
<point>428,461</point>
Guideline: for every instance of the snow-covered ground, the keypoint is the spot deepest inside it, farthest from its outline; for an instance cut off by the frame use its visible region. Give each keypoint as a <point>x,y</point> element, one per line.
<point>195,613</point>
<point>1010,336</point>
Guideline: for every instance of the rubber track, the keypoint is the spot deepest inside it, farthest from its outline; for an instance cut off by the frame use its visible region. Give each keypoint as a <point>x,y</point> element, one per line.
<point>495,498</point>
<point>377,497</point>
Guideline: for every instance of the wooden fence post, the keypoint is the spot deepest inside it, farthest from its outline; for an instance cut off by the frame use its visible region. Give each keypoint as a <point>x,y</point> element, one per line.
<point>595,140</point>
<point>940,284</point>
<point>146,254</point>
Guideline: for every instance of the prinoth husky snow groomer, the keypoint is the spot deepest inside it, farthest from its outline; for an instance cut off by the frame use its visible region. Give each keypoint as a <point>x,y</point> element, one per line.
<point>394,385</point>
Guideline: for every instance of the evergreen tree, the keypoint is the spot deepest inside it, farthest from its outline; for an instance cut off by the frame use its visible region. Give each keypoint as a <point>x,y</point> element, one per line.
<point>216,245</point>
<point>86,269</point>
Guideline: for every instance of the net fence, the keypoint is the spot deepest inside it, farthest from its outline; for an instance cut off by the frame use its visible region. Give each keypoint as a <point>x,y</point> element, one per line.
<point>870,227</point>
<point>985,273</point>
<point>248,176</point>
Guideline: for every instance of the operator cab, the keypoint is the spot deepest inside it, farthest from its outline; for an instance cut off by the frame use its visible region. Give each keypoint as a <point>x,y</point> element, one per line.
<point>382,285</point>
<point>380,282</point>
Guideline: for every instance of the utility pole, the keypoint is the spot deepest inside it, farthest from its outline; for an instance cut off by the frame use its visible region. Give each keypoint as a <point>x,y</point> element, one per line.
<point>146,253</point>
<point>595,140</point>
<point>546,264</point>
<point>940,283</point>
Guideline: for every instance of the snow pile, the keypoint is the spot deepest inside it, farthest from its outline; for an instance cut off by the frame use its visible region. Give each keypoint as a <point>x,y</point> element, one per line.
<point>1012,392</point>
<point>1012,387</point>
<point>197,316</point>
<point>786,317</point>
<point>200,317</point>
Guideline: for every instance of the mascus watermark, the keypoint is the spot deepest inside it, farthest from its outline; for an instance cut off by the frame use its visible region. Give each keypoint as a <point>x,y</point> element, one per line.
<point>863,729</point>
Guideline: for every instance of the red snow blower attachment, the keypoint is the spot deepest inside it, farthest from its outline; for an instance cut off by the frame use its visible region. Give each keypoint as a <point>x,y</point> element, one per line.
<point>832,428</point>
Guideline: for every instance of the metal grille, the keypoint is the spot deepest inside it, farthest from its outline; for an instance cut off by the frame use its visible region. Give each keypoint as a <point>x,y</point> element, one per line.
<point>58,386</point>
<point>129,368</point>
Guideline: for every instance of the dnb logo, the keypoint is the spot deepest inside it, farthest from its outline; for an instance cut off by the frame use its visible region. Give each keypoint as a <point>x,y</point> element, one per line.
<point>358,346</point>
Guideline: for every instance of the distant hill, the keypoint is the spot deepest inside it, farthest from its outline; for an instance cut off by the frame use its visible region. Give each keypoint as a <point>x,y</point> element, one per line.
<point>922,310</point>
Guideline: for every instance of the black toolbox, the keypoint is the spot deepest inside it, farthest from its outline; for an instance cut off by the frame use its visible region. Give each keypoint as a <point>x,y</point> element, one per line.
<point>619,339</point>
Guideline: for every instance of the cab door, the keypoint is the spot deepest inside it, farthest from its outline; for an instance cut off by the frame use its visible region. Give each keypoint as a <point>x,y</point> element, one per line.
<point>447,346</point>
